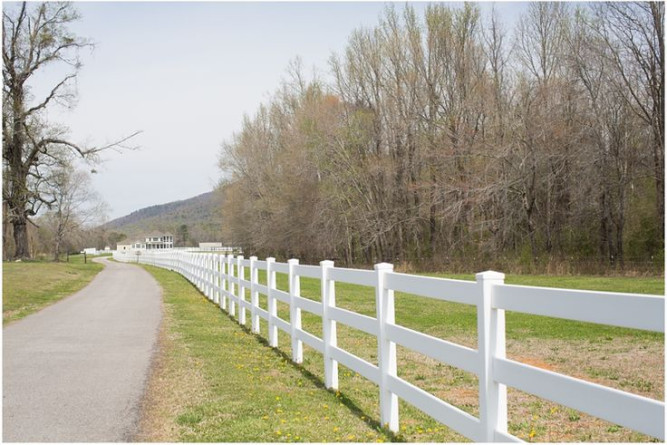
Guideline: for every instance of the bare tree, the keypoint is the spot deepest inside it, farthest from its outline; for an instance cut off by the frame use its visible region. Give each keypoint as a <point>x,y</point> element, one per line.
<point>615,152</point>
<point>75,205</point>
<point>634,34</point>
<point>36,36</point>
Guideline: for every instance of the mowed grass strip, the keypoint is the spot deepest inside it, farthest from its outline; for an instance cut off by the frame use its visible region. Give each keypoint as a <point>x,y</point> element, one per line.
<point>623,358</point>
<point>217,382</point>
<point>30,286</point>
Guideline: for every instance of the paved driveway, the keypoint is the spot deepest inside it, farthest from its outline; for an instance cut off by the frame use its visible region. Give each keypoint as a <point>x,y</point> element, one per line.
<point>76,371</point>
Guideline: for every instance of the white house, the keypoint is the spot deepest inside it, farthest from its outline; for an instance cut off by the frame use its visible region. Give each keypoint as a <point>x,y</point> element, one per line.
<point>138,245</point>
<point>160,241</point>
<point>151,242</point>
<point>123,247</point>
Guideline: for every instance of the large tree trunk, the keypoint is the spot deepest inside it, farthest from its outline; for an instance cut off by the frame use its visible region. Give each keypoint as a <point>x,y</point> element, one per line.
<point>20,226</point>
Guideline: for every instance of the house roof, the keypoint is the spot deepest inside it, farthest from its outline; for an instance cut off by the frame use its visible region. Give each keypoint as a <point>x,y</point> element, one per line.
<point>154,235</point>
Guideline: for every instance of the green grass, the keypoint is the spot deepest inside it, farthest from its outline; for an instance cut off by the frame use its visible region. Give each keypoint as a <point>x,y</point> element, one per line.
<point>253,393</point>
<point>521,325</point>
<point>641,285</point>
<point>445,319</point>
<point>241,371</point>
<point>29,286</point>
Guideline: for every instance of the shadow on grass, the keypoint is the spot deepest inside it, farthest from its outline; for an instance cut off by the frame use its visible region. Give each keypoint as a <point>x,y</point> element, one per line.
<point>319,383</point>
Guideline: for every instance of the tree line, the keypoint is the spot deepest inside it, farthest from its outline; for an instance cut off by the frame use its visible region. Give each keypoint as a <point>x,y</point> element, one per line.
<point>447,137</point>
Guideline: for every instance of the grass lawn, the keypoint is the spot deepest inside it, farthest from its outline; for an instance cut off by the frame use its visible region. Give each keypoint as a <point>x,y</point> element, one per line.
<point>216,382</point>
<point>29,286</point>
<point>242,390</point>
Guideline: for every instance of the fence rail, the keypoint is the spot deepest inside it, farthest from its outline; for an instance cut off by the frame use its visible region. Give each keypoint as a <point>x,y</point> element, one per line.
<point>221,278</point>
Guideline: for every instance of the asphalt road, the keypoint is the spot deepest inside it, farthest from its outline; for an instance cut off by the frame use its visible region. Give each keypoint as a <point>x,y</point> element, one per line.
<point>76,371</point>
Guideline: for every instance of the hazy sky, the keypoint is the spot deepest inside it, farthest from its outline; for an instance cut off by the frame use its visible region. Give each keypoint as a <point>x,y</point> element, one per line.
<point>184,74</point>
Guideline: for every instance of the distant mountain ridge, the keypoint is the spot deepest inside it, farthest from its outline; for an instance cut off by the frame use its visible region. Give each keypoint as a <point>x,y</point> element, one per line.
<point>201,214</point>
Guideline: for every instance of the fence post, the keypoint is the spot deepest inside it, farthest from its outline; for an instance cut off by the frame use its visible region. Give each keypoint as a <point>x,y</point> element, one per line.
<point>384,306</point>
<point>211,276</point>
<point>208,272</point>
<point>328,327</point>
<point>231,285</point>
<point>202,269</point>
<point>254,297</point>
<point>241,276</point>
<point>271,302</point>
<point>199,281</point>
<point>490,344</point>
<point>216,279</point>
<point>204,286</point>
<point>203,274</point>
<point>224,271</point>
<point>294,283</point>
<point>195,271</point>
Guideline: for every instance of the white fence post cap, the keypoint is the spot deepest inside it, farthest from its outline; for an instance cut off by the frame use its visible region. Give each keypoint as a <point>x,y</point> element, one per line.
<point>490,275</point>
<point>384,266</point>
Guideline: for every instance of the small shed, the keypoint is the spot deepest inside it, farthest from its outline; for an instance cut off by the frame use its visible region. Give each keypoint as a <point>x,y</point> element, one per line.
<point>210,246</point>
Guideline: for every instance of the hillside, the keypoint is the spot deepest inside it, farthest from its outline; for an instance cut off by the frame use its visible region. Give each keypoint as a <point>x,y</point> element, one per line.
<point>201,214</point>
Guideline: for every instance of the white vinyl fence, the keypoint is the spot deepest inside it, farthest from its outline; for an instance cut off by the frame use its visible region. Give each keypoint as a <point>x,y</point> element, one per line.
<point>221,279</point>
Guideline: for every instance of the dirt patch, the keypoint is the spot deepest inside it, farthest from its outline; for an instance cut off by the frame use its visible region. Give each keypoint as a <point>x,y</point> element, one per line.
<point>536,362</point>
<point>630,364</point>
